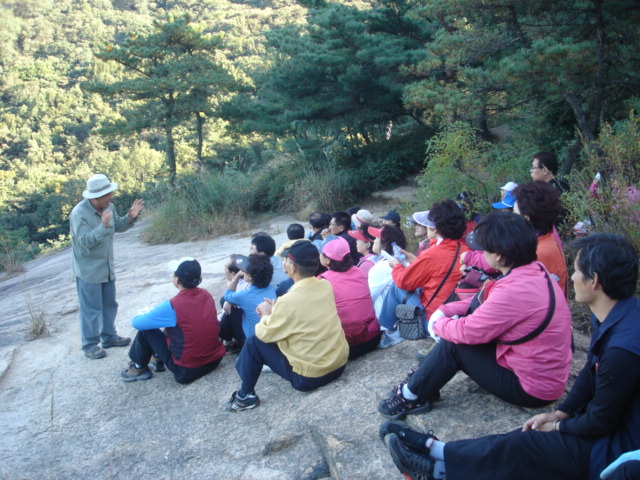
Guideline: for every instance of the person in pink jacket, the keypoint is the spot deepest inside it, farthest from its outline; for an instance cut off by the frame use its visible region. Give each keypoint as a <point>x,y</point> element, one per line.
<point>516,344</point>
<point>353,298</point>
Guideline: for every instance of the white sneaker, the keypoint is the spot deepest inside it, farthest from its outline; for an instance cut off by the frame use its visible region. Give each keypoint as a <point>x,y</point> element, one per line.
<point>389,339</point>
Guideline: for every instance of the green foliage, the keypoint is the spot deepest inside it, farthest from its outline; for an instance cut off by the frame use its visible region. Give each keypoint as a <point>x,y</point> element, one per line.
<point>14,251</point>
<point>201,206</point>
<point>616,207</point>
<point>459,160</point>
<point>177,78</point>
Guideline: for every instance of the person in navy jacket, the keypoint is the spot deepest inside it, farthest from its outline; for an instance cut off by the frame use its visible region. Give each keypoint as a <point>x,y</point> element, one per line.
<point>189,345</point>
<point>597,422</point>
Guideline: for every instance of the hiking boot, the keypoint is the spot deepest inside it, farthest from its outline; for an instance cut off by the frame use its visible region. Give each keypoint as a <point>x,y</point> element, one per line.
<point>238,403</point>
<point>413,465</point>
<point>157,365</point>
<point>232,347</point>
<point>389,339</point>
<point>396,406</point>
<point>117,341</point>
<point>411,438</point>
<point>95,353</point>
<point>133,373</point>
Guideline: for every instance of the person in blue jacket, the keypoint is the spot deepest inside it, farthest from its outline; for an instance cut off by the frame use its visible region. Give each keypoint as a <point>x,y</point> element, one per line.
<point>257,270</point>
<point>189,346</point>
<point>597,422</point>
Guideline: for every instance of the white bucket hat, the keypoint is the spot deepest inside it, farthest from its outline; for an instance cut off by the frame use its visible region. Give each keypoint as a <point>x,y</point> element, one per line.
<point>99,185</point>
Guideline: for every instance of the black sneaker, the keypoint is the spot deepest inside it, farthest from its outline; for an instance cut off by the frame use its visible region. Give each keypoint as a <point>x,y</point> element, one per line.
<point>117,341</point>
<point>396,406</point>
<point>157,365</point>
<point>413,465</point>
<point>238,403</point>
<point>398,388</point>
<point>132,373</point>
<point>233,347</point>
<point>411,438</point>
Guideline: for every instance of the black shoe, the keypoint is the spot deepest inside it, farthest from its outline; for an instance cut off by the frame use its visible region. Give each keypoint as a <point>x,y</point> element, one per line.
<point>117,341</point>
<point>411,438</point>
<point>396,406</point>
<point>413,465</point>
<point>157,365</point>
<point>238,403</point>
<point>398,388</point>
<point>233,347</point>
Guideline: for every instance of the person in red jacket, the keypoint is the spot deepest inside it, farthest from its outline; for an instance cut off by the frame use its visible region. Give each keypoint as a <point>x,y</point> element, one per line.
<point>189,345</point>
<point>429,275</point>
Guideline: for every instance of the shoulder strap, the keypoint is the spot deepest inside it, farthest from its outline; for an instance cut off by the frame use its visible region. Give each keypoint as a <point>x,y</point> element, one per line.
<point>455,257</point>
<point>543,325</point>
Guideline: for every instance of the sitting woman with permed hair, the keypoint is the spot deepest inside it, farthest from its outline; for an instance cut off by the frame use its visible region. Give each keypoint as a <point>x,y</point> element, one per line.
<point>432,275</point>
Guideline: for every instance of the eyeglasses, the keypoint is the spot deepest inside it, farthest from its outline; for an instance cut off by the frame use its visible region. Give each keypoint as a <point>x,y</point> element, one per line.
<point>538,168</point>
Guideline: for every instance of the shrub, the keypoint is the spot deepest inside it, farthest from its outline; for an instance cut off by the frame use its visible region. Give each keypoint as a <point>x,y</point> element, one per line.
<point>458,160</point>
<point>201,206</point>
<point>14,250</point>
<point>616,205</point>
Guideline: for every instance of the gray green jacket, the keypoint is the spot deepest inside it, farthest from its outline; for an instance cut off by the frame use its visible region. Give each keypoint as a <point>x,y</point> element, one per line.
<point>92,243</point>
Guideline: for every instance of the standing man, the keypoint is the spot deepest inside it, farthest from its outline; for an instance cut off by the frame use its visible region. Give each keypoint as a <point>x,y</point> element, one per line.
<point>93,223</point>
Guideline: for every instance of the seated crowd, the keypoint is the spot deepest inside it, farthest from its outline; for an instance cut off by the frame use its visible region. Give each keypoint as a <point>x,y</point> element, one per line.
<point>302,311</point>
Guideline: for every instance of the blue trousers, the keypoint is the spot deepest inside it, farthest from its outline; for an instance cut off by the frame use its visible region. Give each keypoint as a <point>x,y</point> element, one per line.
<point>395,296</point>
<point>256,353</point>
<point>98,309</point>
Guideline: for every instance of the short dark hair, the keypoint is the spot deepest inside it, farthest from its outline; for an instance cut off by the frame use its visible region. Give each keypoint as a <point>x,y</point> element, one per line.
<point>390,234</point>
<point>449,219</point>
<point>509,235</point>
<point>260,269</point>
<point>613,258</point>
<point>264,244</point>
<point>540,202</point>
<point>306,271</point>
<point>352,210</point>
<point>547,160</point>
<point>341,265</point>
<point>295,231</point>
<point>319,220</point>
<point>342,218</point>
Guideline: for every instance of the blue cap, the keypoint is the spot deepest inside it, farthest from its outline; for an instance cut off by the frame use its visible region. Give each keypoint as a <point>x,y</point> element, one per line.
<point>507,202</point>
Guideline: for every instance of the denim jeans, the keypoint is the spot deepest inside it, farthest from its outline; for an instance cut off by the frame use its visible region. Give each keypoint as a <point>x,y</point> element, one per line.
<point>395,296</point>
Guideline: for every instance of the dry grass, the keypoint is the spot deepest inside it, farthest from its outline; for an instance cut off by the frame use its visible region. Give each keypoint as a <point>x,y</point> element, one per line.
<point>37,326</point>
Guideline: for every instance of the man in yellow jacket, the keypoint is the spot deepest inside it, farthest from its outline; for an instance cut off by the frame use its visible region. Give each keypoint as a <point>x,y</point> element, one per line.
<point>300,337</point>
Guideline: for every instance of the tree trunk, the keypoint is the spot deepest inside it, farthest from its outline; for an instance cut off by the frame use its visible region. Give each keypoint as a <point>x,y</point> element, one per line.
<point>200,127</point>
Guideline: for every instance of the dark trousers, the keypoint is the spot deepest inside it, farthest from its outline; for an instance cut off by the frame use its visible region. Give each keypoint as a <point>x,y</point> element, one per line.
<point>148,342</point>
<point>479,363</point>
<point>518,455</point>
<point>356,351</point>
<point>231,326</point>
<point>256,353</point>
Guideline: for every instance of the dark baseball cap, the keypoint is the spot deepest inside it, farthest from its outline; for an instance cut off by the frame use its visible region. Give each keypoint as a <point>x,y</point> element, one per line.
<point>303,253</point>
<point>393,216</point>
<point>187,270</point>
